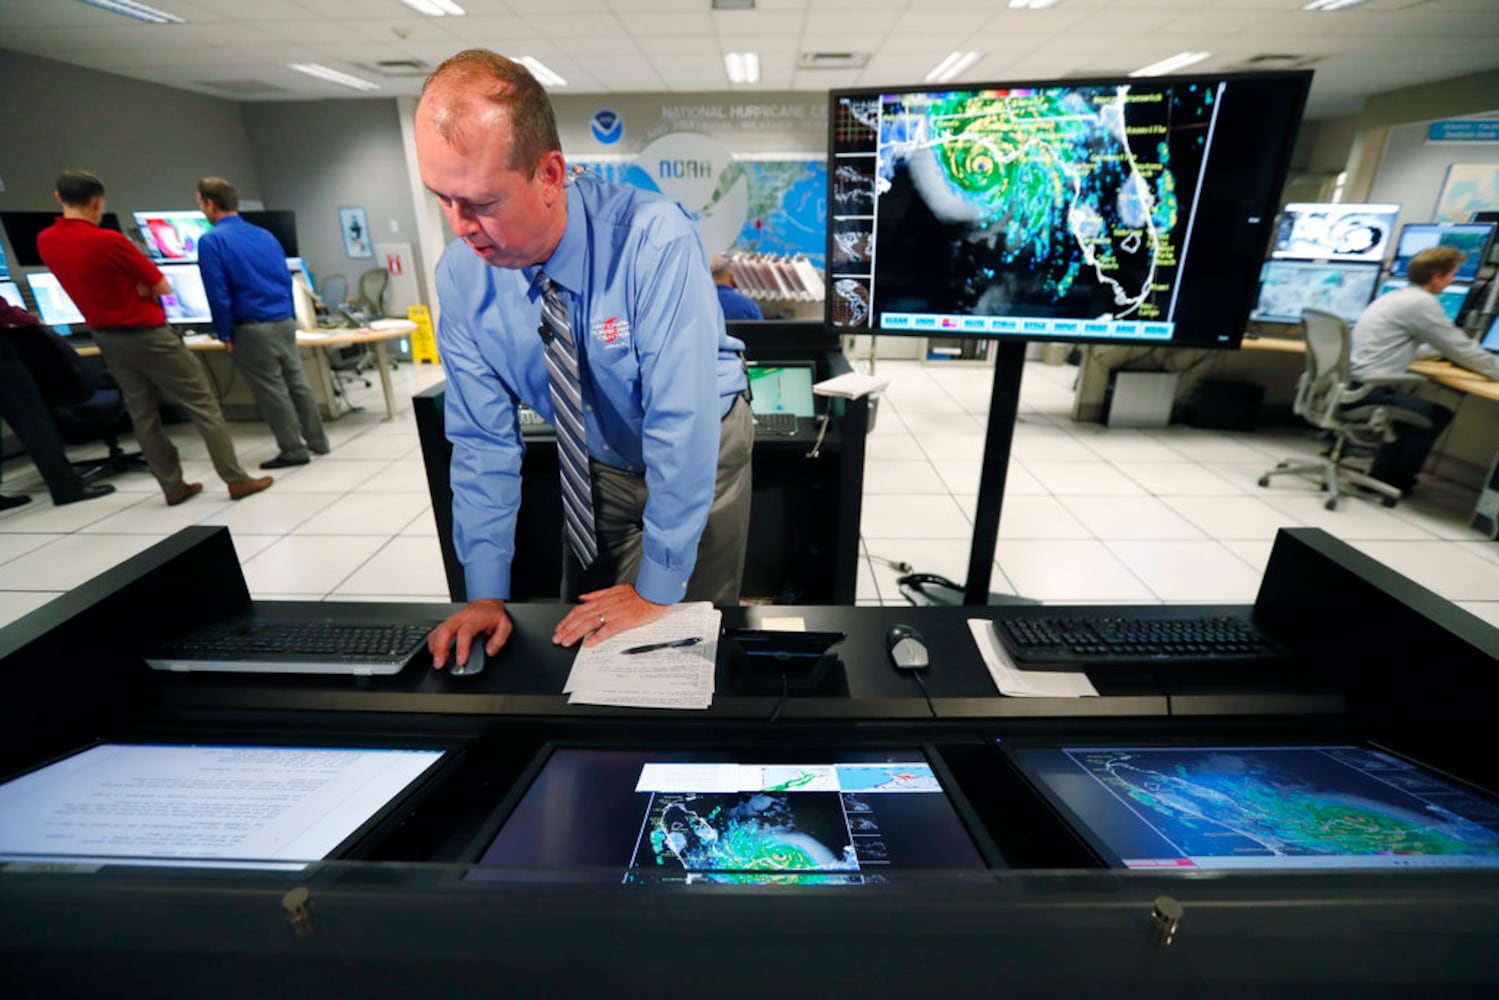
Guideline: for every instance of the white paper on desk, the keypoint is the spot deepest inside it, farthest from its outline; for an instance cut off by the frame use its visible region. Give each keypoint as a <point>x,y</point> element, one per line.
<point>1025,683</point>
<point>851,385</point>
<point>680,677</point>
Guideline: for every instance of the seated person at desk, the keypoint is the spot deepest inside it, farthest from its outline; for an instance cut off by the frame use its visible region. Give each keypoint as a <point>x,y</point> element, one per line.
<point>736,305</point>
<point>250,299</point>
<point>117,289</point>
<point>1386,340</point>
<point>592,303</point>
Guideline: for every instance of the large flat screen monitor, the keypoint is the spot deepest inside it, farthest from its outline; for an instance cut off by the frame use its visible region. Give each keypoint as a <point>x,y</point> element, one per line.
<point>172,236</point>
<point>799,817</point>
<point>1452,298</point>
<point>214,806</point>
<point>1262,807</point>
<point>1471,238</point>
<point>1490,340</point>
<point>282,225</point>
<point>22,227</point>
<point>52,303</point>
<point>1289,286</point>
<point>11,292</point>
<point>1111,210</point>
<point>188,303</point>
<point>1335,231</point>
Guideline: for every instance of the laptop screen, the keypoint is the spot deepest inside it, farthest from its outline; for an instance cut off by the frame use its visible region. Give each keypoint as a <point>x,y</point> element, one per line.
<point>782,387</point>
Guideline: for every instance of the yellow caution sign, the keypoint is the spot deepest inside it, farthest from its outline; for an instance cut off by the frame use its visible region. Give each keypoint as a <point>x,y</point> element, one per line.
<point>423,340</point>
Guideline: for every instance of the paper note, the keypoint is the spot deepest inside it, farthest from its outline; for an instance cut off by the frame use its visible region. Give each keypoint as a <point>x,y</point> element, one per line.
<point>851,385</point>
<point>675,677</point>
<point>1025,683</point>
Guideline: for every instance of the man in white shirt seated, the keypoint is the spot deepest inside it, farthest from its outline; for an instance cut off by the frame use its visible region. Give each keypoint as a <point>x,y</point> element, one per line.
<point>1389,335</point>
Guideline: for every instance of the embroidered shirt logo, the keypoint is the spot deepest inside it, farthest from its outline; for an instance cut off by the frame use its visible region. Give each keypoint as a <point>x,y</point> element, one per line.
<point>613,332</point>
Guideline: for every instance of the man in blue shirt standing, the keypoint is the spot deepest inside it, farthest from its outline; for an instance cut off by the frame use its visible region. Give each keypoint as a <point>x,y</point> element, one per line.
<point>543,260</point>
<point>249,295</point>
<point>736,305</point>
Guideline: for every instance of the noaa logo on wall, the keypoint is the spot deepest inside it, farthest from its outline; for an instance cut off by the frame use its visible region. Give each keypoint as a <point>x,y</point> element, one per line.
<point>608,127</point>
<point>699,173</point>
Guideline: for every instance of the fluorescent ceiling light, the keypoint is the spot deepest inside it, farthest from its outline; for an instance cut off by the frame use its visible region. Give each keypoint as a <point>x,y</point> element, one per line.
<point>139,11</point>
<point>1031,4</point>
<point>1332,4</point>
<point>742,67</point>
<point>333,76</point>
<point>434,8</point>
<point>951,67</point>
<point>1171,65</point>
<point>539,70</point>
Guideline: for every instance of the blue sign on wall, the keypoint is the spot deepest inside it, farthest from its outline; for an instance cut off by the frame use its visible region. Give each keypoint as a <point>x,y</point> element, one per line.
<point>608,127</point>
<point>1464,130</point>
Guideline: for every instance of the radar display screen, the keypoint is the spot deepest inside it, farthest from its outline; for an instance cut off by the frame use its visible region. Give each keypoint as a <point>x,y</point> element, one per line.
<point>1109,211</point>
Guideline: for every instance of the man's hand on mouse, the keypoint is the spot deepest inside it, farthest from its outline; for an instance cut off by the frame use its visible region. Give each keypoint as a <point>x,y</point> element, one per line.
<point>606,612</point>
<point>477,620</point>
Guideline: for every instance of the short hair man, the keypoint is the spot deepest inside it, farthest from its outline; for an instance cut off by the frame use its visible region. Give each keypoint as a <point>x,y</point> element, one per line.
<point>1386,339</point>
<point>616,283</point>
<point>250,298</point>
<point>735,304</point>
<point>117,290</point>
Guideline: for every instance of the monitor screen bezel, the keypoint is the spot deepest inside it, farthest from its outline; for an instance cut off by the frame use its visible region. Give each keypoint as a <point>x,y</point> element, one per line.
<point>1229,339</point>
<point>810,367</point>
<point>360,842</point>
<point>1083,834</point>
<point>1372,268</point>
<point>968,819</point>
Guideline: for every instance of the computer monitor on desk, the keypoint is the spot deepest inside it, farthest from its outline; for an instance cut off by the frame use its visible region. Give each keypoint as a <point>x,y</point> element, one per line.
<point>11,292</point>
<point>172,236</point>
<point>188,303</point>
<point>52,303</point>
<point>1452,299</point>
<point>1490,339</point>
<point>1289,286</point>
<point>1335,231</point>
<point>1470,238</point>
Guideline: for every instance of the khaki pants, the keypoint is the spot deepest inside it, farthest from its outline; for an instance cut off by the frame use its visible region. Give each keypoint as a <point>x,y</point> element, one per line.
<point>266,355</point>
<point>151,364</point>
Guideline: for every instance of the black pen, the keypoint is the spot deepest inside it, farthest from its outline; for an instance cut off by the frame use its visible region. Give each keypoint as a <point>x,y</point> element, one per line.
<point>674,644</point>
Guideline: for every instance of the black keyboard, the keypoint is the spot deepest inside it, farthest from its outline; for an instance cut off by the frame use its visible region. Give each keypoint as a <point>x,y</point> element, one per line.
<point>776,423</point>
<point>259,645</point>
<point>1139,640</point>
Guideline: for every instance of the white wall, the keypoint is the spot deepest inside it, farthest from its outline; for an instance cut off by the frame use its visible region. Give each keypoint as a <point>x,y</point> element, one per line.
<point>1412,171</point>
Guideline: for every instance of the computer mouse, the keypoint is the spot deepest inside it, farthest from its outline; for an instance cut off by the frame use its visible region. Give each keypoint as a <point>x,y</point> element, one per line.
<point>475,662</point>
<point>907,648</point>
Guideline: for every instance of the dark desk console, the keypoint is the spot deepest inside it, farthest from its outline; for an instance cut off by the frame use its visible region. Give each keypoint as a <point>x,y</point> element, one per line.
<point>1324,821</point>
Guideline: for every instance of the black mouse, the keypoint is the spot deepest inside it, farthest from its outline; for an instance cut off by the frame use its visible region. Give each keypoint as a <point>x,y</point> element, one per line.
<point>475,662</point>
<point>907,648</point>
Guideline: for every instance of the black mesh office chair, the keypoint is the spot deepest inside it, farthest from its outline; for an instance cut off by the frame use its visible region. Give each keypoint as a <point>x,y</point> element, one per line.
<point>85,405</point>
<point>1326,399</point>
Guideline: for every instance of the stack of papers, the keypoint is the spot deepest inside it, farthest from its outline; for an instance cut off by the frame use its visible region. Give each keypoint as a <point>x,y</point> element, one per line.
<point>1025,683</point>
<point>851,385</point>
<point>675,677</point>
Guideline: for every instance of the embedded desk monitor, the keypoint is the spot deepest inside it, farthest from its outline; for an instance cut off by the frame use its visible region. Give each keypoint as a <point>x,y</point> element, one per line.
<point>1262,807</point>
<point>172,236</point>
<point>1289,286</point>
<point>1452,299</point>
<point>282,225</point>
<point>52,303</point>
<point>188,303</point>
<point>1114,210</point>
<point>781,387</point>
<point>1490,340</point>
<point>1472,240</point>
<point>22,229</point>
<point>204,806</point>
<point>11,292</point>
<point>822,817</point>
<point>1335,231</point>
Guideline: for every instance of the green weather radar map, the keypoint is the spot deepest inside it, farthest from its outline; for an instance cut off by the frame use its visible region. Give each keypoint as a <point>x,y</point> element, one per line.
<point>1053,207</point>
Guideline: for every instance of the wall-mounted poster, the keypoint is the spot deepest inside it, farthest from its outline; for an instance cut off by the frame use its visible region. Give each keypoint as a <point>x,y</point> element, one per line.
<point>355,225</point>
<point>1470,187</point>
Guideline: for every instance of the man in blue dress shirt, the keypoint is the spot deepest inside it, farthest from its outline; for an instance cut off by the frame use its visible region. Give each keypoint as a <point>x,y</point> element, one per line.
<point>668,431</point>
<point>735,304</point>
<point>250,298</point>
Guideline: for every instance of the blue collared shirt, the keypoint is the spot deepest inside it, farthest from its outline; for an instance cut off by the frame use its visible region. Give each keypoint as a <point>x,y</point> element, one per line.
<point>245,275</point>
<point>658,373</point>
<point>737,305</point>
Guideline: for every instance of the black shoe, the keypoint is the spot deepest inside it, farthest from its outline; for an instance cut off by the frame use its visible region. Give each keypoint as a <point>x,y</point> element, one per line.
<point>19,500</point>
<point>91,491</point>
<point>284,462</point>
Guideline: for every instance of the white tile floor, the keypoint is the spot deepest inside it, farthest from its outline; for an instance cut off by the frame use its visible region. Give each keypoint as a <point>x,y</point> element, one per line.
<point>1091,514</point>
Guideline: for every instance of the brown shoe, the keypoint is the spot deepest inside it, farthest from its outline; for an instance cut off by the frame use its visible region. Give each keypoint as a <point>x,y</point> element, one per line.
<point>174,497</point>
<point>243,488</point>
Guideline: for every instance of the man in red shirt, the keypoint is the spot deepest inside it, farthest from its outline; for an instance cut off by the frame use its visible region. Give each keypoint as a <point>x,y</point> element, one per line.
<point>116,288</point>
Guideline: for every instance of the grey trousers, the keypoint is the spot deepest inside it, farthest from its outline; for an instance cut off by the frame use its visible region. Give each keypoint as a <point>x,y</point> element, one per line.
<point>266,355</point>
<point>619,506</point>
<point>152,364</point>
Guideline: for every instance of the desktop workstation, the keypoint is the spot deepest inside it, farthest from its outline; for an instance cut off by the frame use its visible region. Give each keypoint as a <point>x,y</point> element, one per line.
<point>503,828</point>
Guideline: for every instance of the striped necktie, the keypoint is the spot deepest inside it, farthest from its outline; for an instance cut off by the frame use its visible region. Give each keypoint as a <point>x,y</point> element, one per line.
<point>567,401</point>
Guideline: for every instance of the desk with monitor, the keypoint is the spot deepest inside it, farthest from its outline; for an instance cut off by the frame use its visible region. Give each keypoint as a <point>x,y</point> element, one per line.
<point>967,838</point>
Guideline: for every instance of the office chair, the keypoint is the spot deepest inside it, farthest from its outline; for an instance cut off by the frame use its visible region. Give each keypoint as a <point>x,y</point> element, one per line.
<point>1326,400</point>
<point>85,405</point>
<point>372,286</point>
<point>334,293</point>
